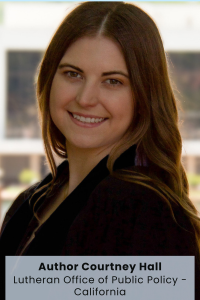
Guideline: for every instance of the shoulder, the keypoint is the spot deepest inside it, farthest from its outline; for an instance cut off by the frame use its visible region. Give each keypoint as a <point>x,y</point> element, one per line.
<point>18,202</point>
<point>128,218</point>
<point>115,190</point>
<point>136,197</point>
<point>25,195</point>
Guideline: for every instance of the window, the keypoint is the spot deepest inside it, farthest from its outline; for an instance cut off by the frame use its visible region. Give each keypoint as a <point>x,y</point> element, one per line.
<point>185,75</point>
<point>22,120</point>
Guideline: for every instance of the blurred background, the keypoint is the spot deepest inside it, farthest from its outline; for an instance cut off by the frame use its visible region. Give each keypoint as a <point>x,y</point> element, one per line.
<point>25,31</point>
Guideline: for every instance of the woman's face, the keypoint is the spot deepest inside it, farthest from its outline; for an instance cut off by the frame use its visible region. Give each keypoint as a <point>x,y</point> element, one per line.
<point>91,100</point>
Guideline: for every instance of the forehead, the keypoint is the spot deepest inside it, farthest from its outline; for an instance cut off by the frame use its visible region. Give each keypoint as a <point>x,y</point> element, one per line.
<point>95,51</point>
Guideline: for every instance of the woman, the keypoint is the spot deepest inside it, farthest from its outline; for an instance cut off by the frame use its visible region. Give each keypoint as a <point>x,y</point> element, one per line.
<point>106,105</point>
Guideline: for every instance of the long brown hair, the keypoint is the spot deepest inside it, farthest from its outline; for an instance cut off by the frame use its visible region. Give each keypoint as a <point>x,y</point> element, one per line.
<point>155,122</point>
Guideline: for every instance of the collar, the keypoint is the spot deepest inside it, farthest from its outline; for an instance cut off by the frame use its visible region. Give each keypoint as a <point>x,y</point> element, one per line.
<point>100,172</point>
<point>126,159</point>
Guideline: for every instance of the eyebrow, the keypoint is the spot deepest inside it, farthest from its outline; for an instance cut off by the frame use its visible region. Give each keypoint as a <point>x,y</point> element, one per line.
<point>71,66</point>
<point>115,72</point>
<point>103,74</point>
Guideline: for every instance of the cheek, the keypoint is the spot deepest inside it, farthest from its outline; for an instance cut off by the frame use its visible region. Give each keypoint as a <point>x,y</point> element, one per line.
<point>124,109</point>
<point>57,98</point>
<point>130,110</point>
<point>53,95</point>
<point>128,106</point>
<point>52,104</point>
<point>61,94</point>
<point>55,103</point>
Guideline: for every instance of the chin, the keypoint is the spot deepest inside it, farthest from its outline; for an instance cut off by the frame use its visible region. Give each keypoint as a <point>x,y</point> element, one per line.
<point>83,144</point>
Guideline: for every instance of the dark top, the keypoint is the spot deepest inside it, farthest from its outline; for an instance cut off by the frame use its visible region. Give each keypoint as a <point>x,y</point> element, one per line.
<point>102,216</point>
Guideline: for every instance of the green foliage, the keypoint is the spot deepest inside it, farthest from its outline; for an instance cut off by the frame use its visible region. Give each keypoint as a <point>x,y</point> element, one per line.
<point>194,179</point>
<point>28,176</point>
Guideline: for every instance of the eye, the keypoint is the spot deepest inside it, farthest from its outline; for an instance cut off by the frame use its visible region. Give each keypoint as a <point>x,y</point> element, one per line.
<point>72,74</point>
<point>113,82</point>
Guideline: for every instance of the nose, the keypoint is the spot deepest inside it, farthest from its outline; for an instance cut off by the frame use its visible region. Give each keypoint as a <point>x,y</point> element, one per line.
<point>87,94</point>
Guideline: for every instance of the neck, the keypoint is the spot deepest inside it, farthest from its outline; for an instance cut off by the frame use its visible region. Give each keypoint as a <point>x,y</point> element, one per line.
<point>81,162</point>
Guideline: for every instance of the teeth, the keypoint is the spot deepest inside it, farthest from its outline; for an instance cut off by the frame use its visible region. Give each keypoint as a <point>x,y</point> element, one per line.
<point>87,120</point>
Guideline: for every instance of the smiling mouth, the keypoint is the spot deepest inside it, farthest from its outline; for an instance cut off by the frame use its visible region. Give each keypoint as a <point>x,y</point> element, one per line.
<point>87,120</point>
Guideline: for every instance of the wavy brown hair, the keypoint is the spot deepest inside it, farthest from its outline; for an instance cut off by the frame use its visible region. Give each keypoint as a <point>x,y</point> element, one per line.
<point>155,122</point>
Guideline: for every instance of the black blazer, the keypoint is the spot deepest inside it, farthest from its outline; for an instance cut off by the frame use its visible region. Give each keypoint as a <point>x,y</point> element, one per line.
<point>102,216</point>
